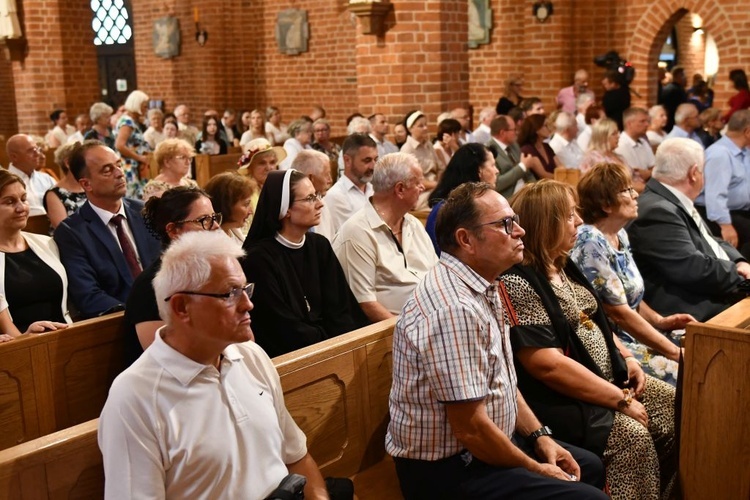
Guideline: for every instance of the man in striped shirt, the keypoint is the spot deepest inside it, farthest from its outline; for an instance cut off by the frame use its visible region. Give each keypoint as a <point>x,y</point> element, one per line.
<point>459,428</point>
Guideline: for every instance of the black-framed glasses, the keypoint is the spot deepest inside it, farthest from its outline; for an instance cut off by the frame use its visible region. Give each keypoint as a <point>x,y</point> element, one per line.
<point>231,297</point>
<point>311,199</point>
<point>506,223</point>
<point>206,222</point>
<point>630,191</point>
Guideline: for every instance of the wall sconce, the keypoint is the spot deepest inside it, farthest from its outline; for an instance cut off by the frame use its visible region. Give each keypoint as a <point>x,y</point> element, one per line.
<point>542,11</point>
<point>201,36</point>
<point>372,13</point>
<point>698,30</point>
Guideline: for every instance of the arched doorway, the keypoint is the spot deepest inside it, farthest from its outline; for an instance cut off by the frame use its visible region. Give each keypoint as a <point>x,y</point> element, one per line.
<point>645,45</point>
<point>113,37</point>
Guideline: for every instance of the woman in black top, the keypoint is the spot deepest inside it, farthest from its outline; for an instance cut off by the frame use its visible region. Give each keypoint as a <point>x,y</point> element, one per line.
<point>34,283</point>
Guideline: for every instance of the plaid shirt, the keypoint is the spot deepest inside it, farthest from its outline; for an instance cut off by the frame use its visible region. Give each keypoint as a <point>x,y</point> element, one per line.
<point>451,344</point>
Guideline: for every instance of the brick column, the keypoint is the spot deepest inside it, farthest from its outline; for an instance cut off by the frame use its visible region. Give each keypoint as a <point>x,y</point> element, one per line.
<point>60,69</point>
<point>420,63</point>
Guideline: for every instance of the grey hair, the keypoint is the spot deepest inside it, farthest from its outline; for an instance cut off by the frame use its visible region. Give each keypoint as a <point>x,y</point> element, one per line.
<point>154,112</point>
<point>653,110</point>
<point>187,265</point>
<point>298,126</point>
<point>392,169</point>
<point>359,125</point>
<point>98,109</point>
<point>583,99</point>
<point>310,162</point>
<point>675,157</point>
<point>563,122</point>
<point>135,100</point>
<point>486,113</point>
<point>739,121</point>
<point>683,110</point>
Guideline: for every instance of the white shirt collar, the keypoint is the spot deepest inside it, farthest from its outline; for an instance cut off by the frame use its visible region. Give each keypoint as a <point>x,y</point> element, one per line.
<point>499,143</point>
<point>686,202</point>
<point>106,215</point>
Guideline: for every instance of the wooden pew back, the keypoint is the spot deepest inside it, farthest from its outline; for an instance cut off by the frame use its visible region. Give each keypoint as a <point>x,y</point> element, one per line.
<point>55,380</point>
<point>206,166</point>
<point>714,440</point>
<point>568,175</point>
<point>337,392</point>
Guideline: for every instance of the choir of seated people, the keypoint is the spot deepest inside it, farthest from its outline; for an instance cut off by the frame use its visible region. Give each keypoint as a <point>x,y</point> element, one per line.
<point>608,201</point>
<point>385,251</point>
<point>33,281</point>
<point>305,296</point>
<point>572,370</point>
<point>66,196</point>
<point>232,195</point>
<point>177,211</point>
<point>173,156</point>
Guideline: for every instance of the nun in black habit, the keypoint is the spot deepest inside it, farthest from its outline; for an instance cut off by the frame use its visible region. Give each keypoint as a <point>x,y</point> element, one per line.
<point>301,295</point>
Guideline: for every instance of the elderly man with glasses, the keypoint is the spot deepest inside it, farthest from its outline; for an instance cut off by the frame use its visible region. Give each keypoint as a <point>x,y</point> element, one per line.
<point>23,154</point>
<point>201,413</point>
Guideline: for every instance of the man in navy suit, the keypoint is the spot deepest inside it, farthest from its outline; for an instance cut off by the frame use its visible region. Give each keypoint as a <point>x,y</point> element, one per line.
<point>106,244</point>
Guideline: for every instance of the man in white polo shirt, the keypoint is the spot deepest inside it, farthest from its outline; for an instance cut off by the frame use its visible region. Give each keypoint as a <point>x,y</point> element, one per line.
<point>23,154</point>
<point>201,413</point>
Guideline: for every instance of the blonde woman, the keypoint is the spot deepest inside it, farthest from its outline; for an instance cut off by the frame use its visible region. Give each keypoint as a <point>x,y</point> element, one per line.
<point>173,157</point>
<point>604,139</point>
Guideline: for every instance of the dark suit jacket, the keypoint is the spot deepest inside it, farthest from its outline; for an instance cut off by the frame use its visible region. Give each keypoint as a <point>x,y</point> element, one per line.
<point>97,272</point>
<point>510,172</point>
<point>678,267</point>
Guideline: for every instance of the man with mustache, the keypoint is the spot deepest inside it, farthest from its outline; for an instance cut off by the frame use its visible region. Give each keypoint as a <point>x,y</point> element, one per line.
<point>106,244</point>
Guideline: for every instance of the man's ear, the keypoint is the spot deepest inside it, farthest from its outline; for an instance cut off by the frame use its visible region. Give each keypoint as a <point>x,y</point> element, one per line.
<point>465,239</point>
<point>179,307</point>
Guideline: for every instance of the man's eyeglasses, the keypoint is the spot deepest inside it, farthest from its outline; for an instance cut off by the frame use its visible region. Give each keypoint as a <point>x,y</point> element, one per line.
<point>630,191</point>
<point>206,222</point>
<point>232,297</point>
<point>311,199</point>
<point>505,223</point>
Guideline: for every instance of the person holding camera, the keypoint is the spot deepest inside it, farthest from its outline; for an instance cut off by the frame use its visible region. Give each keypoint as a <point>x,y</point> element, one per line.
<point>616,97</point>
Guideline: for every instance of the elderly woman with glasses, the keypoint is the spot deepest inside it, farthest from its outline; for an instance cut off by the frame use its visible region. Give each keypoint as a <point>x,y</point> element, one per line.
<point>572,370</point>
<point>177,211</point>
<point>305,298</point>
<point>602,252</point>
<point>173,157</point>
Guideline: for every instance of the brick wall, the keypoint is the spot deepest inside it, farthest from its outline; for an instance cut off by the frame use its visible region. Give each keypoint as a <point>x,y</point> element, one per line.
<point>422,61</point>
<point>8,120</point>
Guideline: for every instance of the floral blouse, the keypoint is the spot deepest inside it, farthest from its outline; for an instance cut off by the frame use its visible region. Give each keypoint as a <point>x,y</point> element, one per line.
<point>612,273</point>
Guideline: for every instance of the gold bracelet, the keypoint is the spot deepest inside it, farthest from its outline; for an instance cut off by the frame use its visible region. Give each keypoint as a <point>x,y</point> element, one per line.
<point>627,398</point>
<point>633,358</point>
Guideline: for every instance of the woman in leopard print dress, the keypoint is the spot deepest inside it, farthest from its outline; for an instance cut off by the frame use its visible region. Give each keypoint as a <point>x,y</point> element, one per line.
<point>574,373</point>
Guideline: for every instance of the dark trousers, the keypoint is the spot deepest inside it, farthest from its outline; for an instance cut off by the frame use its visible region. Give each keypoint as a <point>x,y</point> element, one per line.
<point>741,223</point>
<point>452,478</point>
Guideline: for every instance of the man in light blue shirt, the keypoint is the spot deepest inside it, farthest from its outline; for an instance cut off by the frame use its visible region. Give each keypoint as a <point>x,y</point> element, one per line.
<point>686,122</point>
<point>726,196</point>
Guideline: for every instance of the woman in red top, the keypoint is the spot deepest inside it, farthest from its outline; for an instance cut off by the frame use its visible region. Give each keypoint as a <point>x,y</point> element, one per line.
<point>741,100</point>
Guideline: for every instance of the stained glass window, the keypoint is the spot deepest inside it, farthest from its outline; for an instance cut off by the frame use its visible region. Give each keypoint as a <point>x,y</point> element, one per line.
<point>111,22</point>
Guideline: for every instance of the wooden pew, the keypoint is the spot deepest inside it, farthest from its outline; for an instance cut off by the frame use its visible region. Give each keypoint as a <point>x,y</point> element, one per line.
<point>568,175</point>
<point>38,224</point>
<point>337,392</point>
<point>715,440</point>
<point>421,215</point>
<point>206,166</point>
<point>55,380</point>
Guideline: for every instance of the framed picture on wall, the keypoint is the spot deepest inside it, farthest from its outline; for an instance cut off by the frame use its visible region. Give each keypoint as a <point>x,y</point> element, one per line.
<point>480,22</point>
<point>292,31</point>
<point>167,37</point>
